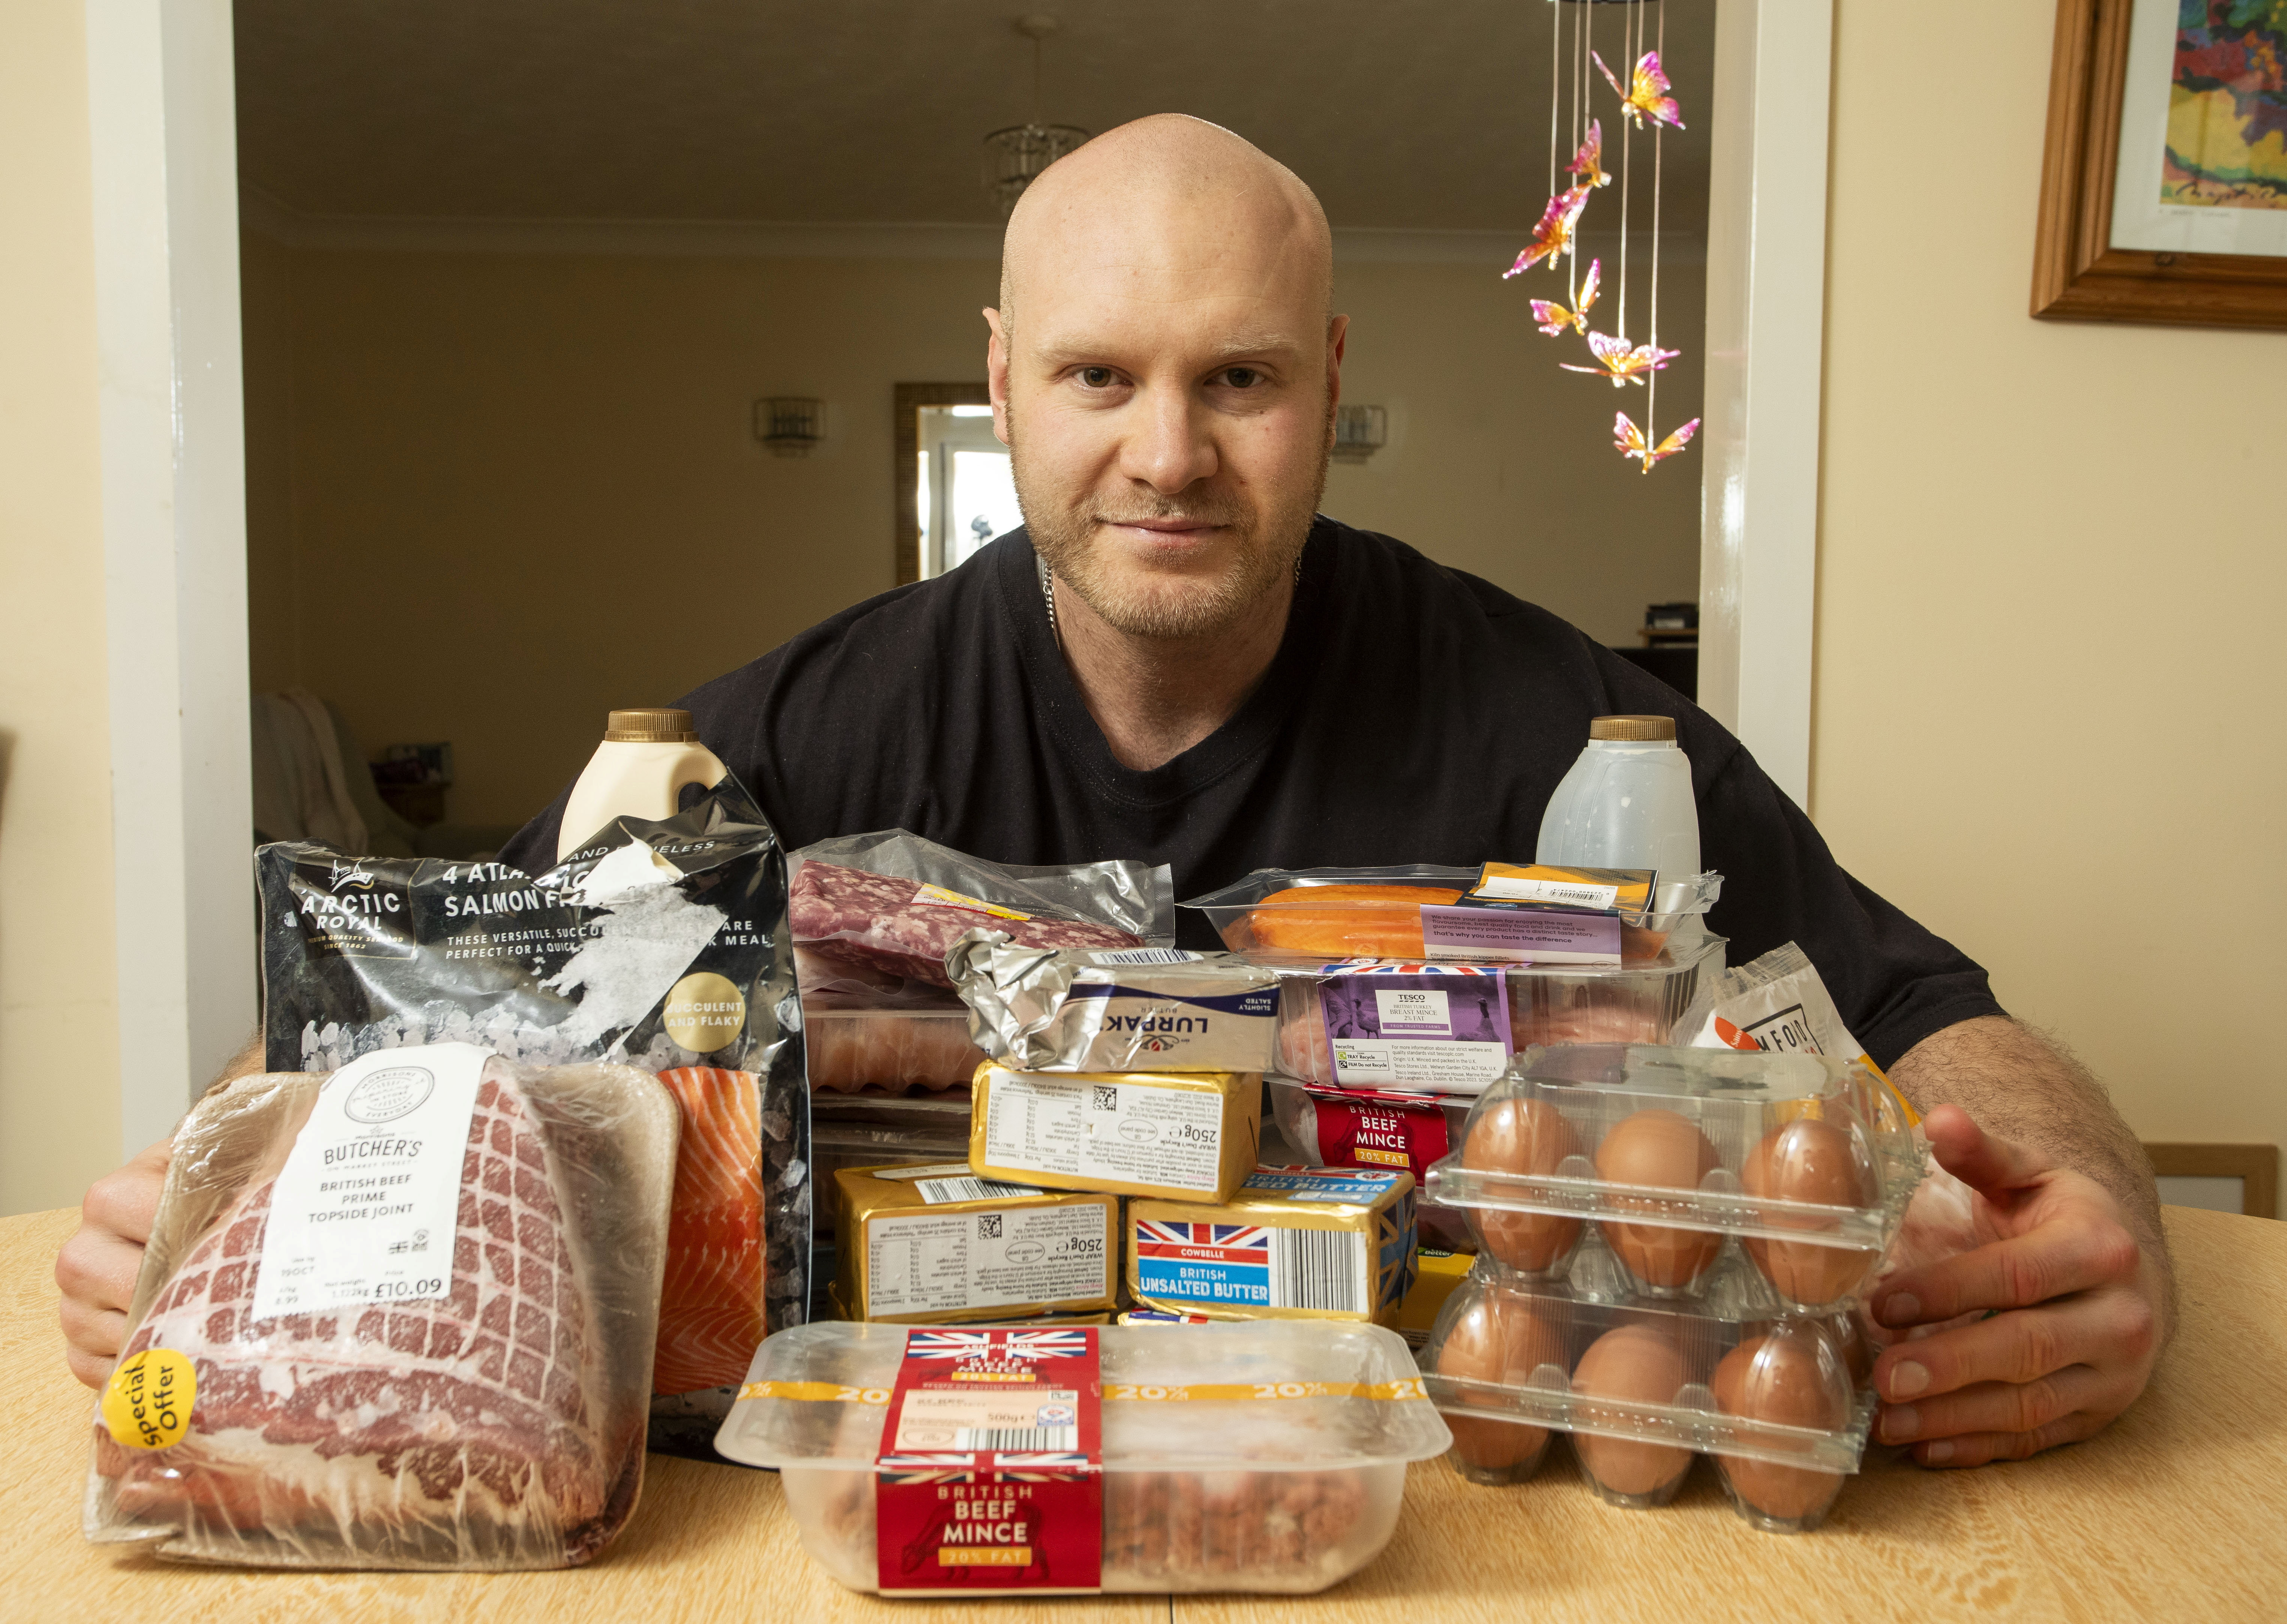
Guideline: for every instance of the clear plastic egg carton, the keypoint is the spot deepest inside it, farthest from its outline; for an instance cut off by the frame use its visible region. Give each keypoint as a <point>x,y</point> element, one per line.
<point>1329,1034</point>
<point>1806,1161</point>
<point>1260,1456</point>
<point>1642,1385</point>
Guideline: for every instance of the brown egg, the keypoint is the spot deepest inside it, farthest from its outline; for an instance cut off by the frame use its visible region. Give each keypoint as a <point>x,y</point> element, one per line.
<point>1815,1161</point>
<point>1521,1136</point>
<point>1850,1341</point>
<point>1664,1151</point>
<point>1637,1362</point>
<point>1796,1378</point>
<point>1500,1339</point>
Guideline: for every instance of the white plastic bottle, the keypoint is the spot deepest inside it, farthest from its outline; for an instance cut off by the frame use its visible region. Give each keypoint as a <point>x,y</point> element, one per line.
<point>1627,803</point>
<point>639,771</point>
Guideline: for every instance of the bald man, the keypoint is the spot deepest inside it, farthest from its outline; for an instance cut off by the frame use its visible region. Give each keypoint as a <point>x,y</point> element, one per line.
<point>1178,660</point>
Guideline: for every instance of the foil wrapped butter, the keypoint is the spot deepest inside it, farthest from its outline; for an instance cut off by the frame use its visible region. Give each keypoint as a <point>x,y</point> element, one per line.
<point>1293,1243</point>
<point>935,1243</point>
<point>1127,1010</point>
<point>1437,1273</point>
<point>1179,1134</point>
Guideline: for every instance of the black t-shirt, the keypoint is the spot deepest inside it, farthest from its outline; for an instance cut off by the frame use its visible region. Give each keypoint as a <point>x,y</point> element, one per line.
<point>1412,714</point>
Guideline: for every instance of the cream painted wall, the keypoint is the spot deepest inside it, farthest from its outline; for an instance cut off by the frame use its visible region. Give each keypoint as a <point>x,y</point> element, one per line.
<point>59,1048</point>
<point>2049,703</point>
<point>491,497</point>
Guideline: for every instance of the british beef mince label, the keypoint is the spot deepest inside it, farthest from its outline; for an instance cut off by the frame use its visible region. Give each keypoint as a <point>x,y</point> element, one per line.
<point>366,1206</point>
<point>989,1476</point>
<point>1447,1028</point>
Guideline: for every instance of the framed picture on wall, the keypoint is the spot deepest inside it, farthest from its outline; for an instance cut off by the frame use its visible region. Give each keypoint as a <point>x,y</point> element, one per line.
<point>2164,183</point>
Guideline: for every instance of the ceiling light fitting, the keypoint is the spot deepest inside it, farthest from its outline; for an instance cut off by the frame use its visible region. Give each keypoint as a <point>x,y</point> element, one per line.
<point>1014,157</point>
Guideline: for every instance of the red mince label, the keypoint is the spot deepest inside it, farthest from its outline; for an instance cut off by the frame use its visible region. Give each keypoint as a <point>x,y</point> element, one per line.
<point>989,1476</point>
<point>1365,1131</point>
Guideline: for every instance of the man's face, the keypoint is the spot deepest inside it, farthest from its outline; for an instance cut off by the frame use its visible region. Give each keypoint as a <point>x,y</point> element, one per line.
<point>1167,410</point>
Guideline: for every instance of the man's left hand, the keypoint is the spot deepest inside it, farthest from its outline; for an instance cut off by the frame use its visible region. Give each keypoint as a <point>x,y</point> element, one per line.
<point>2075,1308</point>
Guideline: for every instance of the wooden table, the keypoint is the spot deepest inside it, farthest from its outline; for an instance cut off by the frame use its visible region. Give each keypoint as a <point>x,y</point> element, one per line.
<point>2178,1511</point>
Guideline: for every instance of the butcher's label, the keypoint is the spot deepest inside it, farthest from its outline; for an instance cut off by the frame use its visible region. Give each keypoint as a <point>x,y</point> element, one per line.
<point>146,1404</point>
<point>991,1478</point>
<point>1533,936</point>
<point>1355,1132</point>
<point>366,1209</point>
<point>1447,1032</point>
<point>1627,890</point>
<point>1122,1133</point>
<point>938,895</point>
<point>926,1262</point>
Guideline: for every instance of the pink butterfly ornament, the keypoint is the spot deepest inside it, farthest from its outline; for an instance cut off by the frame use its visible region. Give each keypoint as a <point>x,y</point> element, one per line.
<point>1553,319</point>
<point>1646,96</point>
<point>1554,235</point>
<point>1588,164</point>
<point>1622,362</point>
<point>1629,442</point>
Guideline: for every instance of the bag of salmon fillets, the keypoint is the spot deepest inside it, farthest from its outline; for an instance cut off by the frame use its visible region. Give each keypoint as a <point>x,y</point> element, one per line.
<point>401,1316</point>
<point>657,945</point>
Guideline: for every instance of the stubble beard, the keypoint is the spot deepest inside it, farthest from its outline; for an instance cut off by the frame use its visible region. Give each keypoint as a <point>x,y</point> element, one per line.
<point>1168,609</point>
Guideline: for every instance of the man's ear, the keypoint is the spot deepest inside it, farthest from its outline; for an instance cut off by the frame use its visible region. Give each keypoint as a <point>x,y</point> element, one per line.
<point>996,374</point>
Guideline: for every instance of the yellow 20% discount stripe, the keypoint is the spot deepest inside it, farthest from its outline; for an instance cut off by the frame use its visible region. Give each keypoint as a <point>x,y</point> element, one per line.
<point>1125,1393</point>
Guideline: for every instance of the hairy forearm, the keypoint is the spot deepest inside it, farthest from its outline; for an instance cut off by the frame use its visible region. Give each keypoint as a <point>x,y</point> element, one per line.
<point>2020,1086</point>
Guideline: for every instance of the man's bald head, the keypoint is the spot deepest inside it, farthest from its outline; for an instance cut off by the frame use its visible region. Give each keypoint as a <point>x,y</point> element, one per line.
<point>1139,200</point>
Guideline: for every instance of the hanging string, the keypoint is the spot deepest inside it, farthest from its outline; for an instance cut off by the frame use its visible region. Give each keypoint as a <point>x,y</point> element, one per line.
<point>1652,385</point>
<point>1556,67</point>
<point>1625,76</point>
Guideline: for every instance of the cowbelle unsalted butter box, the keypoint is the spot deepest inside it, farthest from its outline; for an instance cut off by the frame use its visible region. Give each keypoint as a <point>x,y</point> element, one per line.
<point>930,1243</point>
<point>1176,1134</point>
<point>1294,1243</point>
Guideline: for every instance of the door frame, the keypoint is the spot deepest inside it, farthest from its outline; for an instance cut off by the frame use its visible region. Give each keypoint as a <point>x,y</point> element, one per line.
<point>162,109</point>
<point>164,167</point>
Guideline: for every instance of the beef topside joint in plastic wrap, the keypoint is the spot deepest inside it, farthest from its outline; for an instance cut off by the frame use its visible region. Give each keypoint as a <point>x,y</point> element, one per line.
<point>661,944</point>
<point>1263,1457</point>
<point>892,904</point>
<point>1136,1009</point>
<point>399,1317</point>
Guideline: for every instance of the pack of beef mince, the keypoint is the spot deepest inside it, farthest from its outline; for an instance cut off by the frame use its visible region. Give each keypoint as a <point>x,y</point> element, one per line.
<point>874,915</point>
<point>661,945</point>
<point>400,1316</point>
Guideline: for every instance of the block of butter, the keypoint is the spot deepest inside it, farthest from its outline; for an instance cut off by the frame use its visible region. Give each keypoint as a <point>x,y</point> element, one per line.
<point>1435,1274</point>
<point>932,1243</point>
<point>1294,1243</point>
<point>1126,1133</point>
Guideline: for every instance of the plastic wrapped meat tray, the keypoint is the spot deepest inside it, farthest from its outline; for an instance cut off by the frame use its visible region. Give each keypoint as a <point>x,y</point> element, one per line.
<point>891,1049</point>
<point>1280,1494</point>
<point>498,1427</point>
<point>1638,1002</point>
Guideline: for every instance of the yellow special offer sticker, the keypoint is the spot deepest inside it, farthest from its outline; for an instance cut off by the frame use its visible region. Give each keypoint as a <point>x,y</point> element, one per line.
<point>147,1402</point>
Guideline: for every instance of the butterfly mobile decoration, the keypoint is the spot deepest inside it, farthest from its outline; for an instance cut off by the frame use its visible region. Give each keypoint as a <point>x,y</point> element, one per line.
<point>1647,103</point>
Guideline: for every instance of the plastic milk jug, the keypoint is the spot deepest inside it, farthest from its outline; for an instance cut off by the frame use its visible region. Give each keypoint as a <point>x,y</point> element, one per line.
<point>639,771</point>
<point>1627,803</point>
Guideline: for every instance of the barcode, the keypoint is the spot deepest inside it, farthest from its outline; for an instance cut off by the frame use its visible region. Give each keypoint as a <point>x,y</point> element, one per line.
<point>936,1191</point>
<point>1043,1440</point>
<point>1144,955</point>
<point>1322,1269</point>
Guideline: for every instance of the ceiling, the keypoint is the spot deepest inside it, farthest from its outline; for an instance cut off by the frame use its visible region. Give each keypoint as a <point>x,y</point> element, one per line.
<point>1430,115</point>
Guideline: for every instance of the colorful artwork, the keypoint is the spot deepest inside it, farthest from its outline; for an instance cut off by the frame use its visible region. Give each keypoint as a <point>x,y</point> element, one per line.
<point>2227,106</point>
<point>1554,319</point>
<point>1629,440</point>
<point>1646,96</point>
<point>1554,235</point>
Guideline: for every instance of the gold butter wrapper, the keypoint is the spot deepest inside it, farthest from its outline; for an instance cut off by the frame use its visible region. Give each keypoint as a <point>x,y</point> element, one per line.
<point>932,1243</point>
<point>1294,1243</point>
<point>1435,1276</point>
<point>1182,1135</point>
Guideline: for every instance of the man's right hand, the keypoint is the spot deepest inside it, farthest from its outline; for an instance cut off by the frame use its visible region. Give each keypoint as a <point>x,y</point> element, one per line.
<point>98,1266</point>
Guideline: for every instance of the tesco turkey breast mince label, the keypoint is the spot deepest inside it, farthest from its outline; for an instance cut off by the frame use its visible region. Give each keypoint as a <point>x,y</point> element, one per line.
<point>366,1209</point>
<point>1439,1025</point>
<point>989,1478</point>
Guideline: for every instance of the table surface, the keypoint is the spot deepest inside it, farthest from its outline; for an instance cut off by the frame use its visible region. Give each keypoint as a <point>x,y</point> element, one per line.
<point>2180,1509</point>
